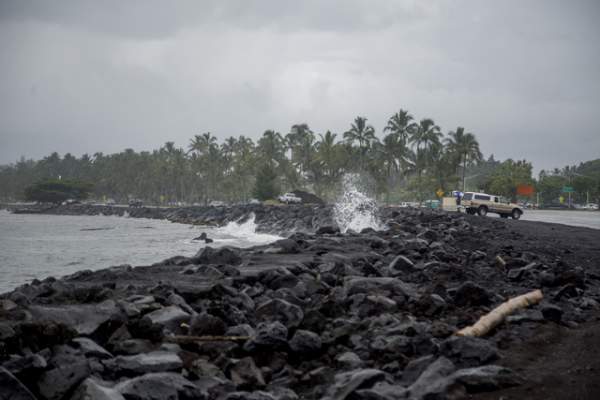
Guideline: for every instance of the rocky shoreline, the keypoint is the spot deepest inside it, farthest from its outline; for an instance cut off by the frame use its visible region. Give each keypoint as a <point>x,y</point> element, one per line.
<point>268,218</point>
<point>319,315</point>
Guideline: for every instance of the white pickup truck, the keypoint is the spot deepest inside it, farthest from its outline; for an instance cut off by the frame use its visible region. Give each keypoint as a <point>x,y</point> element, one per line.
<point>289,198</point>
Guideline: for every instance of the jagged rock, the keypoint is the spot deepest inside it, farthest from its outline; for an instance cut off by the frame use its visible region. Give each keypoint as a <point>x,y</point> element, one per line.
<point>281,394</point>
<point>26,364</point>
<point>92,389</point>
<point>305,342</point>
<point>133,346</point>
<point>6,332</point>
<point>223,255</point>
<point>552,312</point>
<point>55,383</point>
<point>466,350</point>
<point>203,236</point>
<point>7,305</point>
<point>268,335</point>
<point>429,235</point>
<point>417,244</point>
<point>203,368</point>
<point>471,294</point>
<point>327,230</point>
<point>349,360</point>
<point>89,348</point>
<point>372,305</point>
<point>209,272</point>
<point>433,383</point>
<point>159,386</point>
<point>382,286</point>
<point>280,310</point>
<point>246,375</point>
<point>348,382</point>
<point>156,361</point>
<point>285,246</point>
<point>382,391</point>
<point>240,330</point>
<point>206,324</point>
<point>11,388</point>
<point>169,317</point>
<point>415,368</point>
<point>486,378</point>
<point>400,266</point>
<point>392,346</point>
<point>85,319</point>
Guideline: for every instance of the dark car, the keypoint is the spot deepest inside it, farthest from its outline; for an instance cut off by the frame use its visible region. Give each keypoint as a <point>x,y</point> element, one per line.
<point>135,203</point>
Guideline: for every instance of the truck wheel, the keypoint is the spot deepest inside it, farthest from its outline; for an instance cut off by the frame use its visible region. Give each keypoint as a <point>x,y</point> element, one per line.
<point>516,214</point>
<point>482,211</point>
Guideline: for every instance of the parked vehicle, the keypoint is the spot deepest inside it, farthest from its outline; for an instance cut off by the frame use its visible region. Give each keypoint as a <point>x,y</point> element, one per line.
<point>216,203</point>
<point>483,203</point>
<point>289,198</point>
<point>433,204</point>
<point>136,203</point>
<point>70,201</point>
<point>591,206</point>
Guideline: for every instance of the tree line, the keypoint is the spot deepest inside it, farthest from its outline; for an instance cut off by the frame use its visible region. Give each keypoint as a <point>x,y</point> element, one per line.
<point>410,161</point>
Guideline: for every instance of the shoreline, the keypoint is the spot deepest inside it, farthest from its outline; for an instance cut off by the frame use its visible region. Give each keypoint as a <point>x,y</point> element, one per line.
<point>269,218</point>
<point>321,314</point>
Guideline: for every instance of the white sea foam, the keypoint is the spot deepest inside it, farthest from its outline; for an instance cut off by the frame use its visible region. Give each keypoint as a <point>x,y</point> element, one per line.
<point>243,233</point>
<point>354,209</point>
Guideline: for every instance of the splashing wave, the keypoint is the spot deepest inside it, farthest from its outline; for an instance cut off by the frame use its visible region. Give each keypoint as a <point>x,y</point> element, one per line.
<point>354,209</point>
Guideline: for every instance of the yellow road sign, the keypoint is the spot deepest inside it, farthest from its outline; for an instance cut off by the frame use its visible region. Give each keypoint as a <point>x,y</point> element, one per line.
<point>439,193</point>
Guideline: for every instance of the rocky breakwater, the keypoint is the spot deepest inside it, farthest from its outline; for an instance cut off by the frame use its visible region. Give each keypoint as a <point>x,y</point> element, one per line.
<point>275,219</point>
<point>368,315</point>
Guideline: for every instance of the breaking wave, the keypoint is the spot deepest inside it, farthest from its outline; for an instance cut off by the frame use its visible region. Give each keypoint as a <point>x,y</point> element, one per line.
<point>354,209</point>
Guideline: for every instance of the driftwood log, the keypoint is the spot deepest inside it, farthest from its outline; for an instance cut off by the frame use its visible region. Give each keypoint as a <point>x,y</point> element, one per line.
<point>495,317</point>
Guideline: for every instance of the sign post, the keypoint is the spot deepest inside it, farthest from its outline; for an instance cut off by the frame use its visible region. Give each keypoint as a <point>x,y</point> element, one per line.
<point>569,190</point>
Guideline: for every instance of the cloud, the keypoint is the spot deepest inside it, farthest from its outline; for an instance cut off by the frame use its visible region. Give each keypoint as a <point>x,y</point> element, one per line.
<point>88,76</point>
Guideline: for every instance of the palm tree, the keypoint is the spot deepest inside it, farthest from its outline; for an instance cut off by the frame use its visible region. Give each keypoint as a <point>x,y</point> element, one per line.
<point>400,125</point>
<point>425,135</point>
<point>271,147</point>
<point>465,147</point>
<point>301,141</point>
<point>363,134</point>
<point>201,143</point>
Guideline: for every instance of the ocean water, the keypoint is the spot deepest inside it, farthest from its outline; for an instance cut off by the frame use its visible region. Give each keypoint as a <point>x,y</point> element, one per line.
<point>38,246</point>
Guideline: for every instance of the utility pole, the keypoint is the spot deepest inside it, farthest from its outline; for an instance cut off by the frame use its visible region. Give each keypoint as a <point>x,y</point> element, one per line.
<point>570,183</point>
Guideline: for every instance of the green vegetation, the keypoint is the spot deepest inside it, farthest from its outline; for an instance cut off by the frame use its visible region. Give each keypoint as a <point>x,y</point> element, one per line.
<point>583,178</point>
<point>411,160</point>
<point>57,191</point>
<point>266,187</point>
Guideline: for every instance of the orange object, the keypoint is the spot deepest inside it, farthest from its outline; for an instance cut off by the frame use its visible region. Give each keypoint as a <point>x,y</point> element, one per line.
<point>524,190</point>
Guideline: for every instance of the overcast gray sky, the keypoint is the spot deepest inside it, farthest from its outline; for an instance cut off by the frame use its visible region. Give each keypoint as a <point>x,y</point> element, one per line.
<point>87,76</point>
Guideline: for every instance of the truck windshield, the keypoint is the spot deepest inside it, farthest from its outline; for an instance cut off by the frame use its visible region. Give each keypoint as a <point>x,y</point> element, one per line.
<point>468,196</point>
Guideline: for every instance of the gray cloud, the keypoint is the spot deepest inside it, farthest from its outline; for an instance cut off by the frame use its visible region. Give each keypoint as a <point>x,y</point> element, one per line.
<point>86,76</point>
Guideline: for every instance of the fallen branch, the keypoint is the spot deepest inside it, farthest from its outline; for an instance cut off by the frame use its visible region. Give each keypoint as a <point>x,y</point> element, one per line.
<point>495,317</point>
<point>208,338</point>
